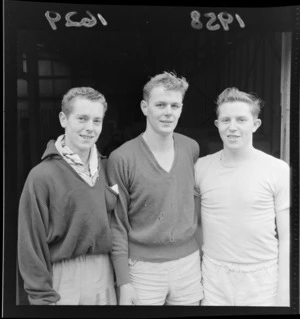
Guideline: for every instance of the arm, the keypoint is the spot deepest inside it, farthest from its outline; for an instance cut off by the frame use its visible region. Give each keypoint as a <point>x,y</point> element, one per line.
<point>197,198</point>
<point>198,233</point>
<point>283,228</point>
<point>282,209</point>
<point>33,252</point>
<point>117,174</point>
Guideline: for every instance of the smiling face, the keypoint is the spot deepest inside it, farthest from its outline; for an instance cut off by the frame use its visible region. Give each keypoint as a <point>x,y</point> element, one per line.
<point>236,125</point>
<point>162,109</point>
<point>83,125</point>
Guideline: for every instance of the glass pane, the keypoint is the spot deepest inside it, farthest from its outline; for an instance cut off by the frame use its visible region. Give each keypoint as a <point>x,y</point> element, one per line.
<point>22,88</point>
<point>24,62</point>
<point>45,87</point>
<point>46,105</point>
<point>60,69</point>
<point>22,112</point>
<point>44,67</point>
<point>22,106</point>
<point>61,86</point>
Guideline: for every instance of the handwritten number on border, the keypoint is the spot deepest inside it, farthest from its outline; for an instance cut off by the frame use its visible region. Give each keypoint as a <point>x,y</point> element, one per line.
<point>86,22</point>
<point>224,18</point>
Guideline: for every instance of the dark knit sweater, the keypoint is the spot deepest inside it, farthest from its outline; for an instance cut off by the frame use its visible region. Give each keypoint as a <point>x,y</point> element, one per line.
<point>155,218</point>
<point>60,217</point>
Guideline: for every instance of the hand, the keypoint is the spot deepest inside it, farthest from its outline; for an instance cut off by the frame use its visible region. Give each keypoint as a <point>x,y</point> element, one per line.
<point>128,295</point>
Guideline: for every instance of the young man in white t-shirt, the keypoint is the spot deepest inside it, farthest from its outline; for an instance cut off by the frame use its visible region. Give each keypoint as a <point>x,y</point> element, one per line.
<point>244,195</point>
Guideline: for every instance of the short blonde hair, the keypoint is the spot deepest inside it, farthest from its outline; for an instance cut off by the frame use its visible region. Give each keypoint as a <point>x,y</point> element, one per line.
<point>233,94</point>
<point>169,80</point>
<point>81,92</point>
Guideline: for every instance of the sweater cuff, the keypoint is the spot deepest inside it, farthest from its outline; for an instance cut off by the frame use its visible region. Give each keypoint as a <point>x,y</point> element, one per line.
<point>122,270</point>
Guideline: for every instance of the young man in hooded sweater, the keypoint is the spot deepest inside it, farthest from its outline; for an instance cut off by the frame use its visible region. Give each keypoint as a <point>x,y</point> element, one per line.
<point>245,205</point>
<point>155,252</point>
<point>64,237</point>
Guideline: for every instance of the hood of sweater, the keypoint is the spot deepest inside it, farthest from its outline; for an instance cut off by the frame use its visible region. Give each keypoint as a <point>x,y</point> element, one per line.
<point>51,151</point>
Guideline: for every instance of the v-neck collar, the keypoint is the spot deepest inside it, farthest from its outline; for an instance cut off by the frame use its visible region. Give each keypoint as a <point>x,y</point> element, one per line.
<point>153,158</point>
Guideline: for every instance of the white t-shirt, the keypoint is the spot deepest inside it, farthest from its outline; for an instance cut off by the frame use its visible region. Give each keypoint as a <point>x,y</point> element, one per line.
<point>239,204</point>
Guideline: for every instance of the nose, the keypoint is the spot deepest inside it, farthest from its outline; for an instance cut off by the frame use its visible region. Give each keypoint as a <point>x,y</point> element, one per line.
<point>232,125</point>
<point>89,125</point>
<point>168,109</point>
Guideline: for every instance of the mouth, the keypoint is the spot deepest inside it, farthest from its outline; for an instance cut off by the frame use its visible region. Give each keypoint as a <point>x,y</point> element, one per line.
<point>166,122</point>
<point>232,137</point>
<point>87,137</point>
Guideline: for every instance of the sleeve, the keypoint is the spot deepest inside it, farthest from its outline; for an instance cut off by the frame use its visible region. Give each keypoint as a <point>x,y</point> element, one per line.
<point>117,173</point>
<point>196,152</point>
<point>197,184</point>
<point>111,193</point>
<point>33,251</point>
<point>282,188</point>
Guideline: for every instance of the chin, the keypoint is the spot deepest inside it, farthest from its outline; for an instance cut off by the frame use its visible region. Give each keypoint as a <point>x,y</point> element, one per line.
<point>166,132</point>
<point>232,146</point>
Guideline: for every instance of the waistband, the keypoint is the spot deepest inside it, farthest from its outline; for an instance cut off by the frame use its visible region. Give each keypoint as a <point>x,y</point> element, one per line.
<point>162,253</point>
<point>241,267</point>
<point>82,258</point>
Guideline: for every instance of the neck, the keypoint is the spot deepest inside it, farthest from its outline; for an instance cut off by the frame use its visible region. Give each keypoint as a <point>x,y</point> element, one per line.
<point>84,156</point>
<point>158,142</point>
<point>238,156</point>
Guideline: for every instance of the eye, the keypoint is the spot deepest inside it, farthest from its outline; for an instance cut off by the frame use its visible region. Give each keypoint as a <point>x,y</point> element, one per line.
<point>160,105</point>
<point>175,106</point>
<point>225,120</point>
<point>242,120</point>
<point>81,119</point>
<point>98,121</point>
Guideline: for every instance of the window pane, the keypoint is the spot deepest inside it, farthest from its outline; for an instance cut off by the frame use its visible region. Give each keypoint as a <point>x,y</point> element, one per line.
<point>22,106</point>
<point>24,65</point>
<point>22,112</point>
<point>21,87</point>
<point>44,67</point>
<point>45,87</point>
<point>61,86</point>
<point>46,105</point>
<point>60,69</point>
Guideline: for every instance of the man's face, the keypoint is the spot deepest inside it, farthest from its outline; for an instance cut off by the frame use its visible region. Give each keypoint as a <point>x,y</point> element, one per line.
<point>236,125</point>
<point>163,110</point>
<point>84,124</point>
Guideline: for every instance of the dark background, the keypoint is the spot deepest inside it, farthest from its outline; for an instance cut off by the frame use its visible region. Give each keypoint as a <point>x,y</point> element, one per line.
<point>117,59</point>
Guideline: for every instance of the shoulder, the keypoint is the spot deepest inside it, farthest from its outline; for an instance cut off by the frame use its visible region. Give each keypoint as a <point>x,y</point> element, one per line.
<point>272,162</point>
<point>205,167</point>
<point>42,174</point>
<point>209,158</point>
<point>205,161</point>
<point>187,142</point>
<point>125,151</point>
<point>185,139</point>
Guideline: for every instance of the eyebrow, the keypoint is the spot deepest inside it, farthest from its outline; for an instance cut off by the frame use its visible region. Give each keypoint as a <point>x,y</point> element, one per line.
<point>163,102</point>
<point>85,115</point>
<point>237,116</point>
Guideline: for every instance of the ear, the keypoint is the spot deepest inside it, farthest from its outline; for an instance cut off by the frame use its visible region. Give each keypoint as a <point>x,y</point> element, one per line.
<point>63,119</point>
<point>216,122</point>
<point>144,107</point>
<point>257,124</point>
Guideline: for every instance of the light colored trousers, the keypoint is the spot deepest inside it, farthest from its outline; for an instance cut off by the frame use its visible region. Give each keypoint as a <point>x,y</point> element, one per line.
<point>85,280</point>
<point>227,284</point>
<point>176,282</point>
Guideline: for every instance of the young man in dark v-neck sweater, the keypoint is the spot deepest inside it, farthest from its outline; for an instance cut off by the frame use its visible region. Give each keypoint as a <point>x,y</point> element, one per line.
<point>155,252</point>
